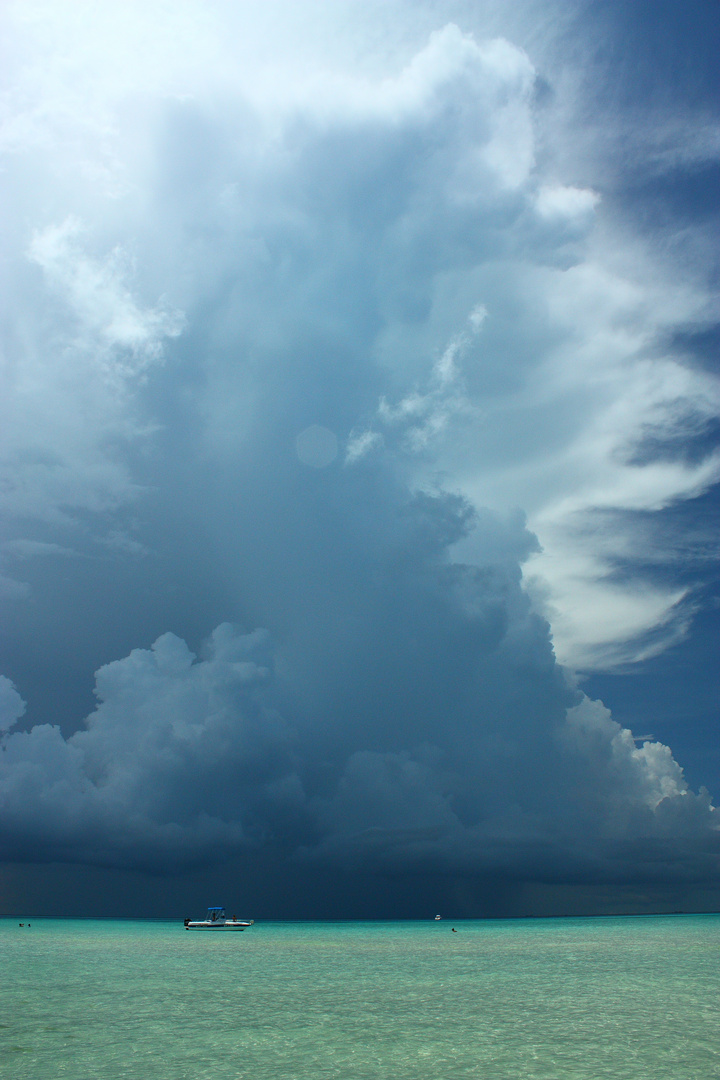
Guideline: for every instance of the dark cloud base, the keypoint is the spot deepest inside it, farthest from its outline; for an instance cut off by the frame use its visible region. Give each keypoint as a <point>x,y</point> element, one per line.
<point>278,893</point>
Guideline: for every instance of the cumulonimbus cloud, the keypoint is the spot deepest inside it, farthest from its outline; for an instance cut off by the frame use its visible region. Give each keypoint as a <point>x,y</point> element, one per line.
<point>311,345</point>
<point>186,762</point>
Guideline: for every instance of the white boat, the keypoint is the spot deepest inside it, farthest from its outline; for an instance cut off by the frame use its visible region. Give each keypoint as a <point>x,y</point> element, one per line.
<point>217,920</point>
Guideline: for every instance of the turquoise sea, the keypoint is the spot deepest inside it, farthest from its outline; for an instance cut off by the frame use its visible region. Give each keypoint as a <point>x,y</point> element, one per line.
<point>545,999</point>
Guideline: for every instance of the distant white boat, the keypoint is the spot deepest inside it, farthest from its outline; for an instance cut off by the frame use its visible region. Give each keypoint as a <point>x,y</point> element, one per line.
<point>438,917</point>
<point>217,920</point>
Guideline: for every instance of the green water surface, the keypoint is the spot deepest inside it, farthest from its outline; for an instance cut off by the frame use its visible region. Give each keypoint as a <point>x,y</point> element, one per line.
<point>635,998</point>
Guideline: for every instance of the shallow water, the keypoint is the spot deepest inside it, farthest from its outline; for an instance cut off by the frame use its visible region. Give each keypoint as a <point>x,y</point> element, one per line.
<point>634,998</point>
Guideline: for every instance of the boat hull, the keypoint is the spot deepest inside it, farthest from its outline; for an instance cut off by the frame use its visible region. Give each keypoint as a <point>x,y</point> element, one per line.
<point>228,924</point>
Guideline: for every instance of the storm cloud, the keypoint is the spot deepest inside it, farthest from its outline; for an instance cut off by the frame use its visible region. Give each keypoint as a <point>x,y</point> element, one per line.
<point>342,409</point>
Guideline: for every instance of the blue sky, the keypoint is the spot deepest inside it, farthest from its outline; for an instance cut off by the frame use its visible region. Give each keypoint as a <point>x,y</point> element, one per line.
<point>359,454</point>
